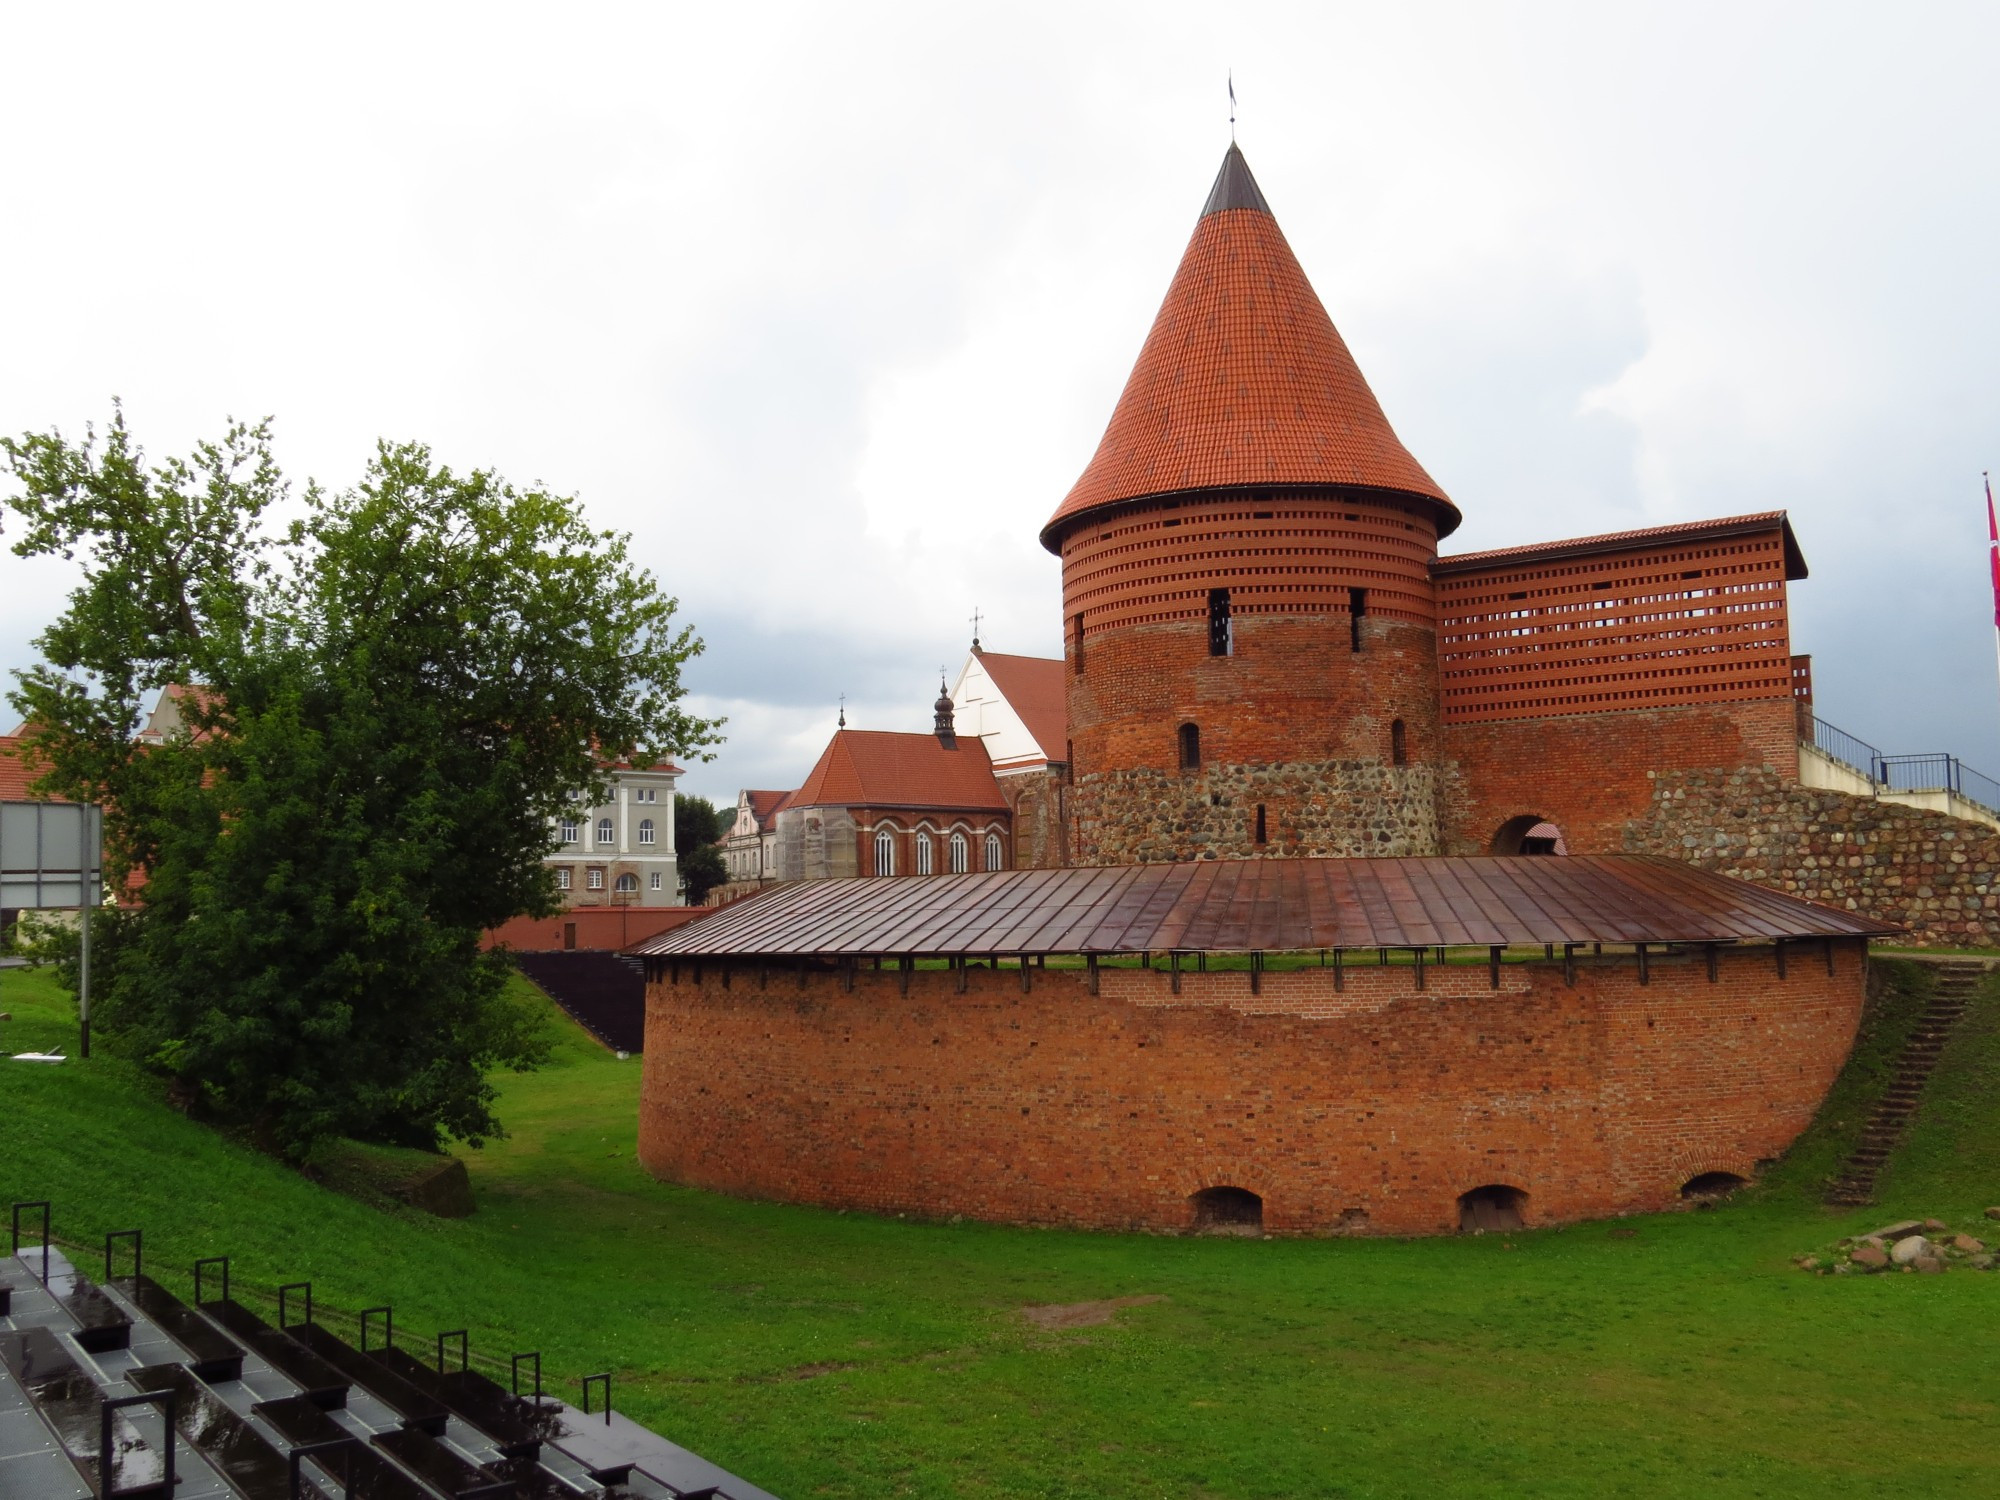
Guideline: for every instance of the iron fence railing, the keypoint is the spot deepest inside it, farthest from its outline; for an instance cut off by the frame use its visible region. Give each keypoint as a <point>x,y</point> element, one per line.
<point>1844,747</point>
<point>1937,773</point>
<point>1906,773</point>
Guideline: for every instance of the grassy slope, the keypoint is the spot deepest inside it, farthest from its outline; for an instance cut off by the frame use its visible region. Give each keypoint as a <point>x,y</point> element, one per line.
<point>1685,1357</point>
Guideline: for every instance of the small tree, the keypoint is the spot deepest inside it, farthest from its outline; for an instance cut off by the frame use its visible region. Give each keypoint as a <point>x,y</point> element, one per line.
<point>395,694</point>
<point>698,824</point>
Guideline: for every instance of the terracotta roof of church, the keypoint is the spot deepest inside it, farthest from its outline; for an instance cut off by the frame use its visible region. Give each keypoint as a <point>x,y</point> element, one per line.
<point>1033,685</point>
<point>877,768</point>
<point>763,804</point>
<point>1244,380</point>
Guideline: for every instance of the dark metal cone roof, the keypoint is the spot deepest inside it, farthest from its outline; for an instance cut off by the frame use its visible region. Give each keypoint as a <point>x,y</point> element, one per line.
<point>1235,187</point>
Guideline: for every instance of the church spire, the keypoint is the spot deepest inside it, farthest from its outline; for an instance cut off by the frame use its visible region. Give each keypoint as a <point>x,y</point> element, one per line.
<point>945,725</point>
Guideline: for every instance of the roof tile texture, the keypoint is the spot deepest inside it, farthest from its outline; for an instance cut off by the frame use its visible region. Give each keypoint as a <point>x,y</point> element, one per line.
<point>1244,381</point>
<point>877,768</point>
<point>1034,686</point>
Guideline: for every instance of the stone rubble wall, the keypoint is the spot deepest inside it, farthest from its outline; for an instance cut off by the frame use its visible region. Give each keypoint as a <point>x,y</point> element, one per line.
<point>1332,808</point>
<point>1937,874</point>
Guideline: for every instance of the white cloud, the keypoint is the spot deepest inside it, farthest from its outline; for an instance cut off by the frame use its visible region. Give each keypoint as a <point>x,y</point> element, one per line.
<point>829,306</point>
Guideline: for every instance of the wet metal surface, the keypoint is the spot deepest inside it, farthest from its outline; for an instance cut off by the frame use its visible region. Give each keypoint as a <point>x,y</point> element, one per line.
<point>431,1461</point>
<point>322,1384</point>
<point>212,1356</point>
<point>70,1403</point>
<point>1267,906</point>
<point>410,1404</point>
<point>517,1425</point>
<point>300,1421</point>
<point>249,1463</point>
<point>101,1324</point>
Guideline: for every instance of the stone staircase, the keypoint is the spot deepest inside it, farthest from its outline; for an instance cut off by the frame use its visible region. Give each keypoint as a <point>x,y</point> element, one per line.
<point>1956,981</point>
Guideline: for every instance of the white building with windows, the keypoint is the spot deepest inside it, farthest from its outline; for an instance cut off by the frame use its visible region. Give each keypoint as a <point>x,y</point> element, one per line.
<point>621,852</point>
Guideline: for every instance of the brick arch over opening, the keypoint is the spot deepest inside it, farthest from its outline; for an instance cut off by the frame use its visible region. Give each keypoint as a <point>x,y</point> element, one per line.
<point>1528,833</point>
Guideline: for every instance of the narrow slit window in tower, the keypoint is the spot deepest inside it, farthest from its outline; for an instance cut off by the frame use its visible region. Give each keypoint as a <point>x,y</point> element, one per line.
<point>1357,606</point>
<point>1190,747</point>
<point>1077,635</point>
<point>1221,633</point>
<point>1260,822</point>
<point>1399,744</point>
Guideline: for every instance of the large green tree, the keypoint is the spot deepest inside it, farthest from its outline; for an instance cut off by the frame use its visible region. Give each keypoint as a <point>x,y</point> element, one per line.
<point>698,824</point>
<point>392,691</point>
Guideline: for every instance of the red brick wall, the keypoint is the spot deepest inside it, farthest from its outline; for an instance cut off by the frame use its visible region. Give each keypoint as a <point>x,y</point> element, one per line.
<point>1293,698</point>
<point>1594,774</point>
<point>596,927</point>
<point>1108,1111</point>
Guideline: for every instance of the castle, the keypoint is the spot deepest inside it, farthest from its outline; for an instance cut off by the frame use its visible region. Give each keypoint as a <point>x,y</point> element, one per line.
<point>1293,728</point>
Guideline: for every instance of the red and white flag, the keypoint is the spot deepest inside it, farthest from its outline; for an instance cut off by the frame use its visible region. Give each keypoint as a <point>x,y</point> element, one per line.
<point>1993,549</point>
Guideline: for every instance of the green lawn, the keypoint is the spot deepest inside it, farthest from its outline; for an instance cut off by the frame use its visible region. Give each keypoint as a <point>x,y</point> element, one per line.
<point>828,1354</point>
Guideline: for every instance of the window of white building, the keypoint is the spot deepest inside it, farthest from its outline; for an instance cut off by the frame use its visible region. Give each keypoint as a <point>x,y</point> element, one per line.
<point>562,880</point>
<point>595,880</point>
<point>628,885</point>
<point>656,880</point>
<point>992,851</point>
<point>605,832</point>
<point>960,854</point>
<point>567,828</point>
<point>645,830</point>
<point>885,853</point>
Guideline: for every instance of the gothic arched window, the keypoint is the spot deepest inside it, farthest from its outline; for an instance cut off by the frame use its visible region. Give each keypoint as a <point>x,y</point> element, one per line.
<point>885,853</point>
<point>923,854</point>
<point>961,854</point>
<point>992,851</point>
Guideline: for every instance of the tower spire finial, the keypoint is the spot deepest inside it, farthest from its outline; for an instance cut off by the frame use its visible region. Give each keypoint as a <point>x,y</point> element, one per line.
<point>975,627</point>
<point>1232,106</point>
<point>843,710</point>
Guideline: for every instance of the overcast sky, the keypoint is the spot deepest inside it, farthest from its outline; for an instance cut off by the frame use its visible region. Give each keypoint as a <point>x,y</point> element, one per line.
<point>828,305</point>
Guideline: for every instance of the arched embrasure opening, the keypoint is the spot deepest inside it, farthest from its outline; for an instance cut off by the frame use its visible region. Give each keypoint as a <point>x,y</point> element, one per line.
<point>1528,834</point>
<point>1711,1187</point>
<point>1494,1206</point>
<point>1227,1210</point>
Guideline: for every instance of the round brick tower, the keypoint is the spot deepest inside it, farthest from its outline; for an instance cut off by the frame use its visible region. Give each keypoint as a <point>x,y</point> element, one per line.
<point>1249,624</point>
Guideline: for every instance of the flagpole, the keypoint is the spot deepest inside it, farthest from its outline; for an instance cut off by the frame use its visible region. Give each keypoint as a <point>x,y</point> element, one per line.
<point>1993,560</point>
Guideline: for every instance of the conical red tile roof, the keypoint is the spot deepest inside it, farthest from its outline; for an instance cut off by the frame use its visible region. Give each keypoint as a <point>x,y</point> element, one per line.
<point>1244,380</point>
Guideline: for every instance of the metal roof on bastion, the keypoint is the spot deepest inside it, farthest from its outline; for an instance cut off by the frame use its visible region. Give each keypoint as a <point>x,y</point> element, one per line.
<point>1263,906</point>
<point>1244,380</point>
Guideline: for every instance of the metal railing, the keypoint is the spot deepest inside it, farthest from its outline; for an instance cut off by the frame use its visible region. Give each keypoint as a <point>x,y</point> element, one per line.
<point>1838,744</point>
<point>1937,773</point>
<point>1906,773</point>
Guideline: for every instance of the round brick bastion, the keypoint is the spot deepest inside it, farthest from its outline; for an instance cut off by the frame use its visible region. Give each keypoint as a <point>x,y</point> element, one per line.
<point>1352,1098</point>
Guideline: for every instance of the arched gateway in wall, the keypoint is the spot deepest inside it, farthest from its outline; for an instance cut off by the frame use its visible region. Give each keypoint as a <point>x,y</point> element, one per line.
<point>1256,1046</point>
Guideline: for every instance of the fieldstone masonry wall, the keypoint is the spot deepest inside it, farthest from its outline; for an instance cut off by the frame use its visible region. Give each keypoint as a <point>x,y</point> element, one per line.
<point>1937,874</point>
<point>1338,808</point>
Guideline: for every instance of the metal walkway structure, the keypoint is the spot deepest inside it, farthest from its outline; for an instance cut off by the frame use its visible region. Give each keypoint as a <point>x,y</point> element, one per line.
<point>114,1386</point>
